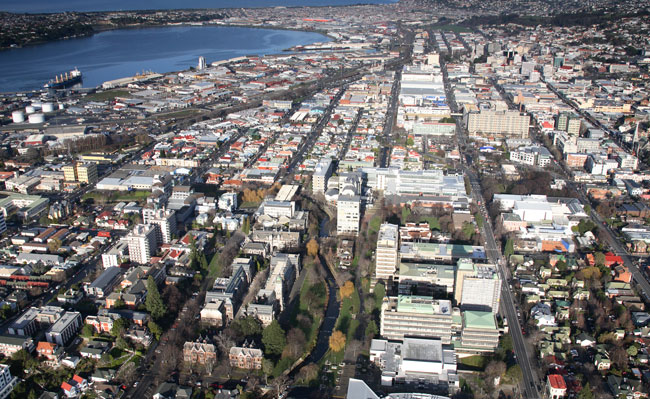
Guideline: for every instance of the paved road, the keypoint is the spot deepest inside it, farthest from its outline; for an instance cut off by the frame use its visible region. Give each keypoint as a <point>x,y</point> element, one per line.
<point>638,276</point>
<point>508,308</point>
<point>287,174</point>
<point>391,113</point>
<point>507,305</point>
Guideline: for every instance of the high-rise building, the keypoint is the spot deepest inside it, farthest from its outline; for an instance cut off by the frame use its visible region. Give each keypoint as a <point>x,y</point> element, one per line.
<point>7,381</point>
<point>321,174</point>
<point>142,243</point>
<point>387,249</point>
<point>478,287</point>
<point>70,172</point>
<point>165,222</point>
<point>81,172</point>
<point>499,123</point>
<point>480,331</point>
<point>202,64</point>
<point>569,122</point>
<point>87,173</point>
<point>348,214</point>
<point>416,316</point>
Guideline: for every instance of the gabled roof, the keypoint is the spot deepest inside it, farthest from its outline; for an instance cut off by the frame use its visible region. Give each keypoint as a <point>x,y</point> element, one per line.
<point>556,381</point>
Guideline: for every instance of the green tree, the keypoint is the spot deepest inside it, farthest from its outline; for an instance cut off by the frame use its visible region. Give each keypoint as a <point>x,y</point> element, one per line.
<point>514,374</point>
<point>267,366</point>
<point>468,230</point>
<point>379,292</point>
<point>119,326</point>
<point>371,329</point>
<point>248,326</point>
<point>87,331</point>
<point>121,343</point>
<point>406,212</point>
<point>274,339</point>
<point>509,250</point>
<point>585,392</point>
<point>632,351</point>
<point>154,303</point>
<point>410,141</point>
<point>479,220</point>
<point>599,259</point>
<point>506,342</point>
<point>155,329</point>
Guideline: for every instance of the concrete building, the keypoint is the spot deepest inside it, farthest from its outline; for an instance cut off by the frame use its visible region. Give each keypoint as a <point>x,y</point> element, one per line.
<point>416,361</point>
<point>228,202</point>
<point>64,329</point>
<point>142,242</point>
<point>321,175</point>
<point>394,181</point>
<point>479,332</point>
<point>104,284</point>
<point>115,255</point>
<point>532,155</point>
<point>348,214</point>
<point>81,172</point>
<point>386,255</point>
<point>165,222</point>
<point>416,316</point>
<point>425,279</point>
<point>477,287</point>
<point>27,207</point>
<point>436,252</point>
<point>497,123</point>
<point>7,381</point>
<point>570,123</point>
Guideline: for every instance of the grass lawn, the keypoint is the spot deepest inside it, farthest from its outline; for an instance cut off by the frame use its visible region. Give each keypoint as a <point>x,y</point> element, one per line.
<point>453,28</point>
<point>117,196</point>
<point>180,114</point>
<point>302,308</point>
<point>374,224</point>
<point>476,362</point>
<point>214,268</point>
<point>249,204</point>
<point>434,223</point>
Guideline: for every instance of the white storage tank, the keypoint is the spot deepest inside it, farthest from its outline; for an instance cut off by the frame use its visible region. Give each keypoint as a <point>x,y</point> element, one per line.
<point>30,109</point>
<point>36,118</point>
<point>48,107</point>
<point>18,116</point>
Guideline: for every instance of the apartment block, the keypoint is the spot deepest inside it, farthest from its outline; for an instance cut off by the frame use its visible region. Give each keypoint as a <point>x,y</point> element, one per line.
<point>348,214</point>
<point>81,172</point>
<point>142,242</point>
<point>498,123</point>
<point>387,251</point>
<point>7,381</point>
<point>64,329</point>
<point>416,316</point>
<point>165,222</point>
<point>477,287</point>
<point>321,175</point>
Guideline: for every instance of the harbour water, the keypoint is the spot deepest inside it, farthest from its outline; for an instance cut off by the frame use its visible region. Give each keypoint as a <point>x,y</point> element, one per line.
<point>121,53</point>
<point>47,6</point>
